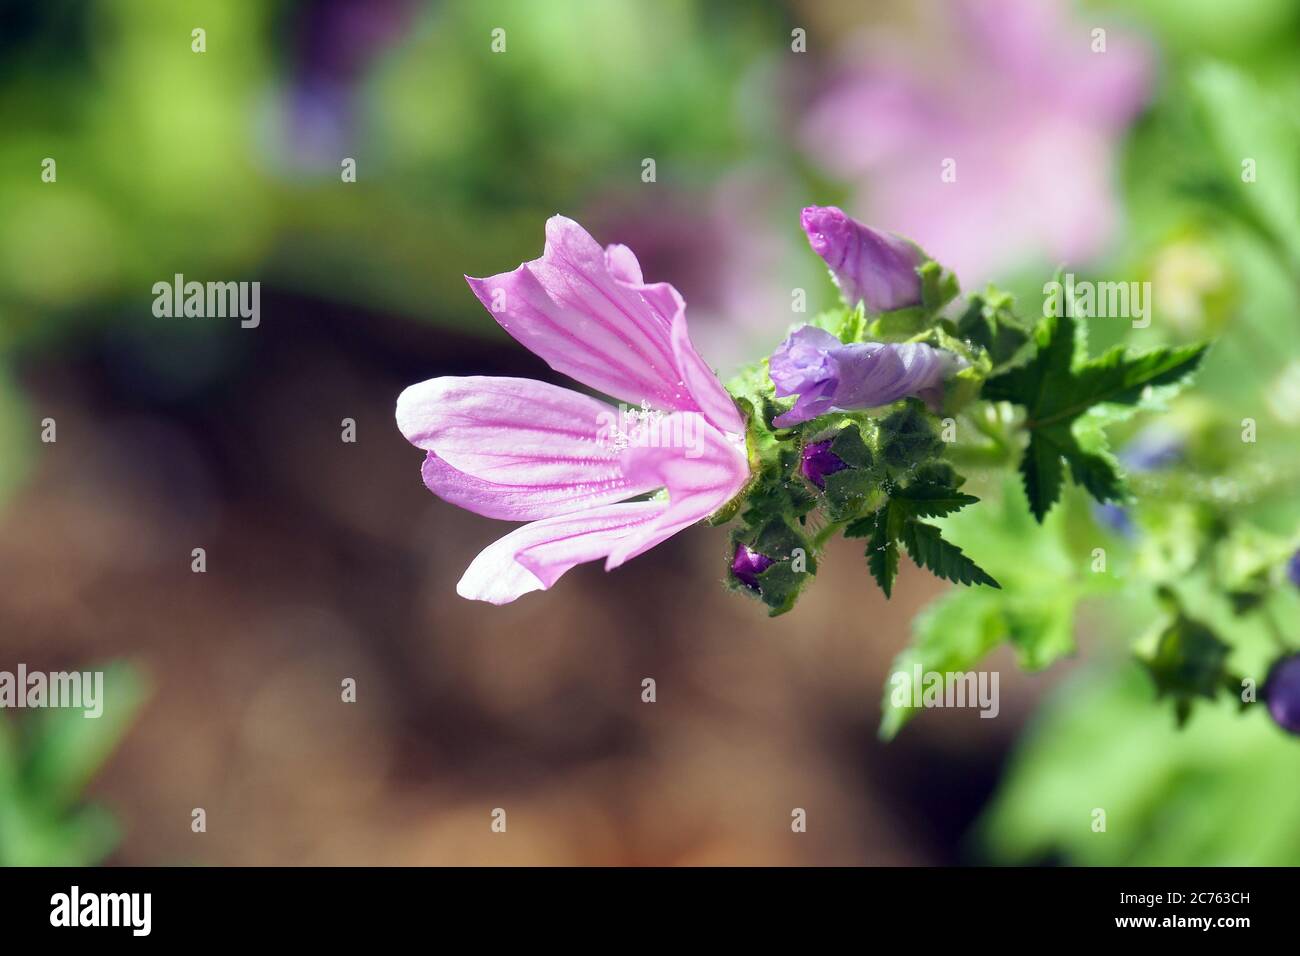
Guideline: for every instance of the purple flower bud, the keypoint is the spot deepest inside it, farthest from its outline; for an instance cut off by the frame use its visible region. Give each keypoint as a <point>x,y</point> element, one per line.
<point>1282,693</point>
<point>1293,569</point>
<point>748,564</point>
<point>819,461</point>
<point>828,375</point>
<point>875,268</point>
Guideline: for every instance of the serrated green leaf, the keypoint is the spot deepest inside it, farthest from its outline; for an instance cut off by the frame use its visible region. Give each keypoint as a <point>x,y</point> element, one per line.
<point>925,544</point>
<point>1059,386</point>
<point>1042,472</point>
<point>932,493</point>
<point>882,558</point>
<point>1116,378</point>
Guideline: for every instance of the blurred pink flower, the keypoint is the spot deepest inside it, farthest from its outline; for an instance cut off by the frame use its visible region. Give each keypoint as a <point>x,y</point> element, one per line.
<point>527,451</point>
<point>728,249</point>
<point>1030,114</point>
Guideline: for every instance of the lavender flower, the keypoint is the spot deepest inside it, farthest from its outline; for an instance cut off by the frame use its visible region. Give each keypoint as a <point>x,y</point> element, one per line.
<point>748,564</point>
<point>875,268</point>
<point>828,375</point>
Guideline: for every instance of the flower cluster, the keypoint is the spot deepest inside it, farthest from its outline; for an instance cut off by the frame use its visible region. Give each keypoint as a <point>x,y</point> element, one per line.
<point>848,428</point>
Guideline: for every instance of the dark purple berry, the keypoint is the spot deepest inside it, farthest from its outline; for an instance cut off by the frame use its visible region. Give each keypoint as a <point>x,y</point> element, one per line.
<point>1293,569</point>
<point>1282,693</point>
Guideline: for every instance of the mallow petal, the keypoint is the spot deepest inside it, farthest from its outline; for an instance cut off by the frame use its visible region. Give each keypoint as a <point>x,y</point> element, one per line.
<point>805,359</point>
<point>713,400</point>
<point>514,448</point>
<point>584,318</point>
<point>623,264</point>
<point>701,474</point>
<point>875,268</point>
<point>533,557</point>
<point>670,308</point>
<point>873,374</point>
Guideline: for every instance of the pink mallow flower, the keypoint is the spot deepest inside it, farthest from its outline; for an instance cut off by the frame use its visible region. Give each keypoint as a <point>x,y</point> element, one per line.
<point>523,450</point>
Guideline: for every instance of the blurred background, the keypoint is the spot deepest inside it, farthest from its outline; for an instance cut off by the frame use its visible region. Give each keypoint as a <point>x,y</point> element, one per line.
<point>329,560</point>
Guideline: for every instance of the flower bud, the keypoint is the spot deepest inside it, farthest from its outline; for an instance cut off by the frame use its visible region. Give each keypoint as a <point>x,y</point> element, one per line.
<point>875,268</point>
<point>828,375</point>
<point>818,461</point>
<point>748,564</point>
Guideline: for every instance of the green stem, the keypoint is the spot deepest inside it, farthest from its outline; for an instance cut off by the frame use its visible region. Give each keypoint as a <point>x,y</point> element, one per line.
<point>1275,630</point>
<point>826,533</point>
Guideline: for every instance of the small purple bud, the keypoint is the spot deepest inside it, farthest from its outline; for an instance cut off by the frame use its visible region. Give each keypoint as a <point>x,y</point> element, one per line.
<point>875,268</point>
<point>819,461</point>
<point>1282,693</point>
<point>1293,569</point>
<point>828,375</point>
<point>748,564</point>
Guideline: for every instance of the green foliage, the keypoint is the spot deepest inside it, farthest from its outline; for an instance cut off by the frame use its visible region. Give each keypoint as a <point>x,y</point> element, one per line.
<point>848,491</point>
<point>774,512</point>
<point>933,492</point>
<point>45,765</point>
<point>952,634</point>
<point>1220,793</point>
<point>938,288</point>
<point>907,437</point>
<point>925,544</point>
<point>1186,659</point>
<point>989,322</point>
<point>955,632</point>
<point>1058,386</point>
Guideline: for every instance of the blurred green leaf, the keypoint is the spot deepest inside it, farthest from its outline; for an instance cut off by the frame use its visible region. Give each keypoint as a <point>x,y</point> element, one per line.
<point>1222,793</point>
<point>45,766</point>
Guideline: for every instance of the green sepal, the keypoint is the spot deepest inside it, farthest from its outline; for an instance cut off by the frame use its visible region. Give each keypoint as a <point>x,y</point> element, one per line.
<point>1185,658</point>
